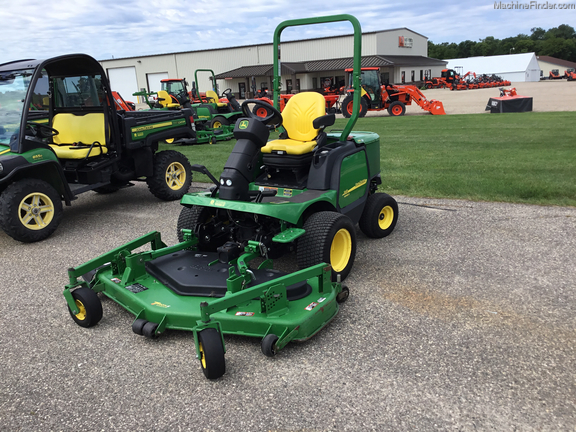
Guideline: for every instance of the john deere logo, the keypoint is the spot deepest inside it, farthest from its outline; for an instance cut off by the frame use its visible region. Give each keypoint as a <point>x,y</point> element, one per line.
<point>243,124</point>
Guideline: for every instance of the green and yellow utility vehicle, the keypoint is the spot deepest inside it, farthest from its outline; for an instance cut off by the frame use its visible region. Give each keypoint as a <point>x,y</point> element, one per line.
<point>303,192</point>
<point>61,135</point>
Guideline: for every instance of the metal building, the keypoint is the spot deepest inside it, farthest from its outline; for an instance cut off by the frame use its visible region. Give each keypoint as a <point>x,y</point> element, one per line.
<point>548,63</point>
<point>512,67</point>
<point>400,53</point>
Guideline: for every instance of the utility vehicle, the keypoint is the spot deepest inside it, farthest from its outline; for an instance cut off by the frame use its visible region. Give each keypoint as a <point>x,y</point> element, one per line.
<point>61,135</point>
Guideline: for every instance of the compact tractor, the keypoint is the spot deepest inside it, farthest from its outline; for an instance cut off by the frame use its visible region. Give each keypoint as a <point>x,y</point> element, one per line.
<point>61,135</point>
<point>302,192</point>
<point>570,74</point>
<point>394,98</point>
<point>554,74</point>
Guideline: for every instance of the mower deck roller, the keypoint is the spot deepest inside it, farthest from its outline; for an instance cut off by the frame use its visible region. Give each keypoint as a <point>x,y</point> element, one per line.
<point>303,192</point>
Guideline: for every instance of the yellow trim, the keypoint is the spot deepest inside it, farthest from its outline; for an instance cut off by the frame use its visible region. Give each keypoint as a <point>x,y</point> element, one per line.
<point>175,175</point>
<point>353,188</point>
<point>202,356</point>
<point>340,250</point>
<point>150,127</point>
<point>385,217</point>
<point>38,211</point>
<point>5,151</point>
<point>81,315</point>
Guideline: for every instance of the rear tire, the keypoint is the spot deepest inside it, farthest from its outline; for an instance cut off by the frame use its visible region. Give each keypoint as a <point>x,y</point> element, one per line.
<point>211,353</point>
<point>30,210</point>
<point>348,105</point>
<point>330,238</point>
<point>172,175</point>
<point>218,122</point>
<point>379,216</point>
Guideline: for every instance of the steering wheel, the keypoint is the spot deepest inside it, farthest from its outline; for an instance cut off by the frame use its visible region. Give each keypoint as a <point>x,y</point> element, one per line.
<point>226,92</point>
<point>272,120</point>
<point>41,130</point>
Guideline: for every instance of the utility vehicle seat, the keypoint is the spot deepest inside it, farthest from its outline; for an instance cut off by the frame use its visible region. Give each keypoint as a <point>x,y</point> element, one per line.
<point>166,100</point>
<point>79,136</point>
<point>304,118</point>
<point>212,97</point>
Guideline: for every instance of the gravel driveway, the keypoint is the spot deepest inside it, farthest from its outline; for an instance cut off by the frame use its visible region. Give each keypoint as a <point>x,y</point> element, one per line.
<point>463,319</point>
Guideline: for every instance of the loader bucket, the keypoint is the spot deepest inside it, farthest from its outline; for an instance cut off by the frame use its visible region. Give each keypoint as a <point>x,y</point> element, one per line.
<point>436,108</point>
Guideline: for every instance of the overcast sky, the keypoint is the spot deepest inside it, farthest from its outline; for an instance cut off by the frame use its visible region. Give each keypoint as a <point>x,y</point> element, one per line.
<point>125,28</point>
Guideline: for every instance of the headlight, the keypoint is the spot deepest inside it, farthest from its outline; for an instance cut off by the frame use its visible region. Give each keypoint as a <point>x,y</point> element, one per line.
<point>228,182</point>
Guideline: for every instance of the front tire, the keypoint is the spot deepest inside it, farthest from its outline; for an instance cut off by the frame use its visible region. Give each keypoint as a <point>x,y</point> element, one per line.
<point>211,353</point>
<point>172,176</point>
<point>348,106</point>
<point>209,239</point>
<point>89,307</point>
<point>330,238</point>
<point>379,216</point>
<point>397,108</point>
<point>30,210</point>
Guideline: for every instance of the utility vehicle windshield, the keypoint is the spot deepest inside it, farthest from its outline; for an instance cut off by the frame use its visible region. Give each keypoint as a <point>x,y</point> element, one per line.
<point>13,88</point>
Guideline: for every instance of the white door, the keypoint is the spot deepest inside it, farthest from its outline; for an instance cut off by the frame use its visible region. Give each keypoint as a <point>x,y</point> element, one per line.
<point>154,80</point>
<point>123,80</point>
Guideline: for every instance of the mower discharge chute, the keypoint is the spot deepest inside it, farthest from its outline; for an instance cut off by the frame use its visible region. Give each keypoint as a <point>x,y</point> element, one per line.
<point>304,191</point>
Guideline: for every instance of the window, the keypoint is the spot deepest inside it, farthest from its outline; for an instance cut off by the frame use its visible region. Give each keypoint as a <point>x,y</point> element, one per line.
<point>412,76</point>
<point>79,91</point>
<point>421,75</point>
<point>289,86</point>
<point>403,76</point>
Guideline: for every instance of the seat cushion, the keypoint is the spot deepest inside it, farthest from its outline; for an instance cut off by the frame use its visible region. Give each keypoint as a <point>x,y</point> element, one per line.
<point>289,146</point>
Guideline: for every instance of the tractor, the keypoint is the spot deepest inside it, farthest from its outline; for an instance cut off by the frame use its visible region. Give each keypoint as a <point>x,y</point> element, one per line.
<point>394,98</point>
<point>303,192</point>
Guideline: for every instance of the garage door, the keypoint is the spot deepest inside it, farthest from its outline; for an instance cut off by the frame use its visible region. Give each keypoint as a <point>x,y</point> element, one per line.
<point>154,80</point>
<point>123,80</point>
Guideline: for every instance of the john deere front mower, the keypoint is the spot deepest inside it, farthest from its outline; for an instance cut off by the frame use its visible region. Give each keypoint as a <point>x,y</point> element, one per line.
<point>303,192</point>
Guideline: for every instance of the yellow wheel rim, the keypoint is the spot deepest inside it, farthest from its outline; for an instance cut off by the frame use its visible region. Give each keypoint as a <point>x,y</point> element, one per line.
<point>170,140</point>
<point>385,217</point>
<point>202,356</point>
<point>175,175</point>
<point>216,125</point>
<point>81,315</point>
<point>340,250</point>
<point>36,211</point>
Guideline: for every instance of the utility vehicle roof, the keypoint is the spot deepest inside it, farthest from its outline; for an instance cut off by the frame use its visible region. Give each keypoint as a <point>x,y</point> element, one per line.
<point>65,65</point>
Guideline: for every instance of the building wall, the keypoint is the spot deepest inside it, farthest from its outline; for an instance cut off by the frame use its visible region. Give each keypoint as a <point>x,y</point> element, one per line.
<point>388,43</point>
<point>183,65</point>
<point>546,67</point>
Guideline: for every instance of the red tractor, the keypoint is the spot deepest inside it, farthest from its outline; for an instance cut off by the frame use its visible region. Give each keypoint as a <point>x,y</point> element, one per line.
<point>394,98</point>
<point>554,74</point>
<point>570,74</point>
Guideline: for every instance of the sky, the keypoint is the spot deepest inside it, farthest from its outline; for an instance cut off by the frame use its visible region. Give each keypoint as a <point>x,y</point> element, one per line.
<point>107,29</point>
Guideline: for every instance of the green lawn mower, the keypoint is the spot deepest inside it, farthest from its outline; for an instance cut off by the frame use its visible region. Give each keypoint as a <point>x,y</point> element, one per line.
<point>304,191</point>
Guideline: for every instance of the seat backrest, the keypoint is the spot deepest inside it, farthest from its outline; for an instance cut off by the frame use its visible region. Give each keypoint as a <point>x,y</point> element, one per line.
<point>211,94</point>
<point>164,98</point>
<point>87,128</point>
<point>300,112</point>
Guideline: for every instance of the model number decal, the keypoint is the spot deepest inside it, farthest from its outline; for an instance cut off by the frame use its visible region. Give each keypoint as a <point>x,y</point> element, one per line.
<point>353,188</point>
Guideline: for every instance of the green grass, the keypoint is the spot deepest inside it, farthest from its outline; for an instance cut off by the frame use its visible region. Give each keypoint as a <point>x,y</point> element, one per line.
<point>519,158</point>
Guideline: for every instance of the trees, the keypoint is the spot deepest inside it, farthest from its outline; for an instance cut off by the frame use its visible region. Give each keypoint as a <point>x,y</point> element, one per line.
<point>559,42</point>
